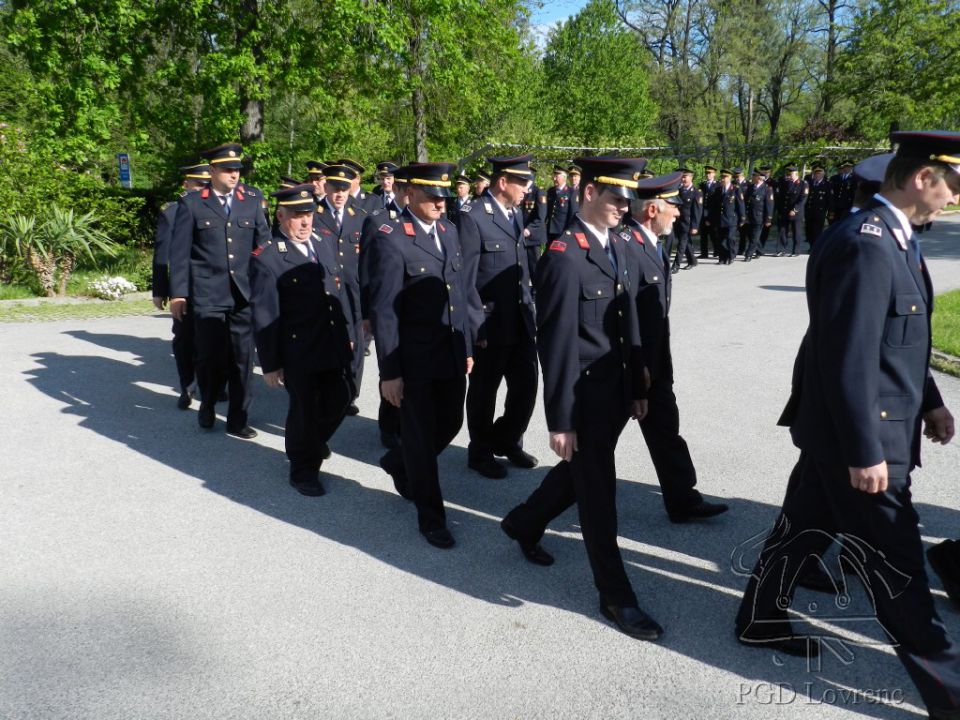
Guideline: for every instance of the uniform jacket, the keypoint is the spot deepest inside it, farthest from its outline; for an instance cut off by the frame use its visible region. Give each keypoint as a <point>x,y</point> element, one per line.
<point>728,210</point>
<point>300,308</point>
<point>818,201</point>
<point>758,203</point>
<point>161,250</point>
<point>651,285</point>
<point>368,202</point>
<point>562,206</point>
<point>495,246</point>
<point>347,240</point>
<point>691,211</point>
<point>790,195</point>
<point>587,335</point>
<point>862,378</point>
<point>210,251</point>
<point>420,300</point>
<point>370,224</point>
<point>535,217</point>
<point>453,208</point>
<point>842,190</point>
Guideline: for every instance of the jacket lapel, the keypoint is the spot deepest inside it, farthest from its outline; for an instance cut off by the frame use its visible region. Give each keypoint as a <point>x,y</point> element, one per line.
<point>596,254</point>
<point>422,240</point>
<point>328,221</point>
<point>893,225</point>
<point>213,202</point>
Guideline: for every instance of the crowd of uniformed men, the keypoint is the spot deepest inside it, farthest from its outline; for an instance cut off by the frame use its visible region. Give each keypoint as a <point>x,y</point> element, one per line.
<point>464,292</point>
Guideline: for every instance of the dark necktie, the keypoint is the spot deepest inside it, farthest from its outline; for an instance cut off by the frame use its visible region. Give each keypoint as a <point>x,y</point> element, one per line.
<point>225,199</point>
<point>611,256</point>
<point>915,250</point>
<point>311,253</point>
<point>436,239</point>
<point>336,216</point>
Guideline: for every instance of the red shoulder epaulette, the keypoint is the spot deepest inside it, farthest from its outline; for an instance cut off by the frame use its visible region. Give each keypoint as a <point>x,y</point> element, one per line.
<point>239,193</point>
<point>408,229</point>
<point>638,235</point>
<point>582,240</point>
<point>205,193</point>
<point>558,245</point>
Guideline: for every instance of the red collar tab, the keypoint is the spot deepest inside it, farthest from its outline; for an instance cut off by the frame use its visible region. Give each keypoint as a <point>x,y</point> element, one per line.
<point>408,229</point>
<point>442,228</point>
<point>258,250</point>
<point>238,193</point>
<point>205,193</point>
<point>582,240</point>
<point>639,236</point>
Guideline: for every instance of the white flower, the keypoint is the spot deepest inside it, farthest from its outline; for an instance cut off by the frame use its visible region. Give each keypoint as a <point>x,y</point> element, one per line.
<point>111,288</point>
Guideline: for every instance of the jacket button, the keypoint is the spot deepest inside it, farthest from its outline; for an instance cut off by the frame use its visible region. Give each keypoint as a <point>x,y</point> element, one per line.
<point>421,269</point>
<point>620,313</point>
<point>228,224</point>
<point>587,372</point>
<point>230,256</point>
<point>451,308</point>
<point>295,280</point>
<point>598,292</point>
<point>883,414</point>
<point>341,254</point>
<point>331,322</point>
<point>913,308</point>
<point>294,336</point>
<point>655,278</point>
<point>448,286</point>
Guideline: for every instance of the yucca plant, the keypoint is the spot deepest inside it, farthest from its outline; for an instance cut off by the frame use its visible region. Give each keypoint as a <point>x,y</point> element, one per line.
<point>20,239</point>
<point>66,236</point>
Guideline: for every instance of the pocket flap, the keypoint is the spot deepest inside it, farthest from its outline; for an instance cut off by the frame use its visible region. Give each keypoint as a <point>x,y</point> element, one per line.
<point>652,278</point>
<point>416,268</point>
<point>594,292</point>
<point>245,222</point>
<point>909,304</point>
<point>895,407</point>
<point>494,245</point>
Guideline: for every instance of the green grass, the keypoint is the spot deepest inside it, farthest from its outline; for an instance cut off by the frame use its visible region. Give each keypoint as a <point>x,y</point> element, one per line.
<point>946,323</point>
<point>16,292</point>
<point>45,312</point>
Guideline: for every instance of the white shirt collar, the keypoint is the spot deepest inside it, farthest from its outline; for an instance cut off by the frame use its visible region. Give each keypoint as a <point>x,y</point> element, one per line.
<point>301,246</point>
<point>650,235</point>
<point>898,213</point>
<point>601,235</point>
<point>427,228</point>
<point>498,204</point>
<point>223,195</point>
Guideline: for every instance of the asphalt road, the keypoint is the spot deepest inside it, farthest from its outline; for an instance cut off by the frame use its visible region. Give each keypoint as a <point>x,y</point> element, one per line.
<point>148,570</point>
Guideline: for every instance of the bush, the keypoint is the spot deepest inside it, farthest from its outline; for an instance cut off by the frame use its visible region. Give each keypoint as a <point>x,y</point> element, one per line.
<point>111,288</point>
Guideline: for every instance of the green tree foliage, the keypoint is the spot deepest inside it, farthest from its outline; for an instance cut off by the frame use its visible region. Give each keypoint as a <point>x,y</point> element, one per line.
<point>596,80</point>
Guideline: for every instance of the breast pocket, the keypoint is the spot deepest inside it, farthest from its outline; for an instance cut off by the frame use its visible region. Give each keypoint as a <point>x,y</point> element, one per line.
<point>595,298</point>
<point>494,253</point>
<point>907,321</point>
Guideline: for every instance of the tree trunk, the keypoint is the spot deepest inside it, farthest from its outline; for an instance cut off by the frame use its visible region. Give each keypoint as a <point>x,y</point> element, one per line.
<point>65,267</point>
<point>251,88</point>
<point>45,270</point>
<point>418,71</point>
<point>831,54</point>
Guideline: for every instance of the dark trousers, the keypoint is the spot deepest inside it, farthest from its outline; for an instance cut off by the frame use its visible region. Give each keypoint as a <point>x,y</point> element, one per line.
<point>517,364</point>
<point>224,342</point>
<point>813,226</point>
<point>764,234</point>
<point>727,247</point>
<point>684,249</point>
<point>880,532</point>
<point>184,349</point>
<point>359,351</point>
<point>533,256</point>
<point>589,480</point>
<point>431,415</point>
<point>754,233</point>
<point>708,239</point>
<point>789,230</point>
<point>668,450</point>
<point>388,418</point>
<point>318,401</point>
<point>744,239</point>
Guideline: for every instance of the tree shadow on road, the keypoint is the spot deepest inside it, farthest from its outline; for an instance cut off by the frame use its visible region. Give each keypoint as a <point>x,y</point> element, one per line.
<point>682,574</point>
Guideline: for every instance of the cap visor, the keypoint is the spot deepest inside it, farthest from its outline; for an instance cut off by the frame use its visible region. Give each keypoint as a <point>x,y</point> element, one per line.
<point>440,192</point>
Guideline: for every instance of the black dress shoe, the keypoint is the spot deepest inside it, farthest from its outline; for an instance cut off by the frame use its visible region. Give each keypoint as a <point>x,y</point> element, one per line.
<point>702,509</point>
<point>488,467</point>
<point>399,477</point>
<point>185,399</point>
<point>246,432</point>
<point>440,538</point>
<point>533,552</point>
<point>520,458</point>
<point>325,452</point>
<point>309,486</point>
<point>206,416</point>
<point>814,577</point>
<point>674,270</point>
<point>352,409</point>
<point>783,642</point>
<point>366,352</point>
<point>691,264</point>
<point>793,254</point>
<point>632,621</point>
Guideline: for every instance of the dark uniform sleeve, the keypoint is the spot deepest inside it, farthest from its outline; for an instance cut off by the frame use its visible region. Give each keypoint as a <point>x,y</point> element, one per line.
<point>850,310</point>
<point>386,269</point>
<point>741,208</point>
<point>161,251</point>
<point>180,244</point>
<point>558,317</point>
<point>262,234</point>
<point>801,198</point>
<point>363,270</point>
<point>696,211</point>
<point>931,395</point>
<point>768,205</point>
<point>470,244</point>
<point>265,304</point>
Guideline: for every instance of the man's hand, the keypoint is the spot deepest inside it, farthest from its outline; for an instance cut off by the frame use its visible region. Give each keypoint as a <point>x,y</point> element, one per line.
<point>694,232</point>
<point>526,232</point>
<point>938,425</point>
<point>392,391</point>
<point>793,213</point>
<point>469,365</point>
<point>564,444</point>
<point>367,329</point>
<point>639,409</point>
<point>160,303</point>
<point>870,479</point>
<point>274,379</point>
<point>767,224</point>
<point>178,308</point>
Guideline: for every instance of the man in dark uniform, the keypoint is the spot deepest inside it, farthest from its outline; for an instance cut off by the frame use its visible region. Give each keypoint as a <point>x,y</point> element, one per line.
<point>790,196</point>
<point>388,416</point>
<point>384,188</point>
<point>491,237</point>
<point>480,183</point>
<point>766,171</point>
<point>534,226</point>
<point>573,175</point>
<point>420,292</point>
<point>316,178</point>
<point>861,390</point>
<point>817,205</point>
<point>650,219</point>
<point>195,177</point>
<point>593,381</point>
<point>461,189</point>
<point>728,216</point>
<point>740,180</point>
<point>708,193</point>
<point>687,226</point>
<point>360,199</point>
<point>339,220</point>
<point>215,231</point>
<point>561,204</point>
<point>842,187</point>
<point>303,337</point>
<point>758,203</point>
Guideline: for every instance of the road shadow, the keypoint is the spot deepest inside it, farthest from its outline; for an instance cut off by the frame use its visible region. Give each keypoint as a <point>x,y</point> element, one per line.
<point>677,571</point>
<point>783,288</point>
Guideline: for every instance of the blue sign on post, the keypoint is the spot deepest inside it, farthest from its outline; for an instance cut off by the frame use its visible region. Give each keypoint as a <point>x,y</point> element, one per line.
<point>123,162</point>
